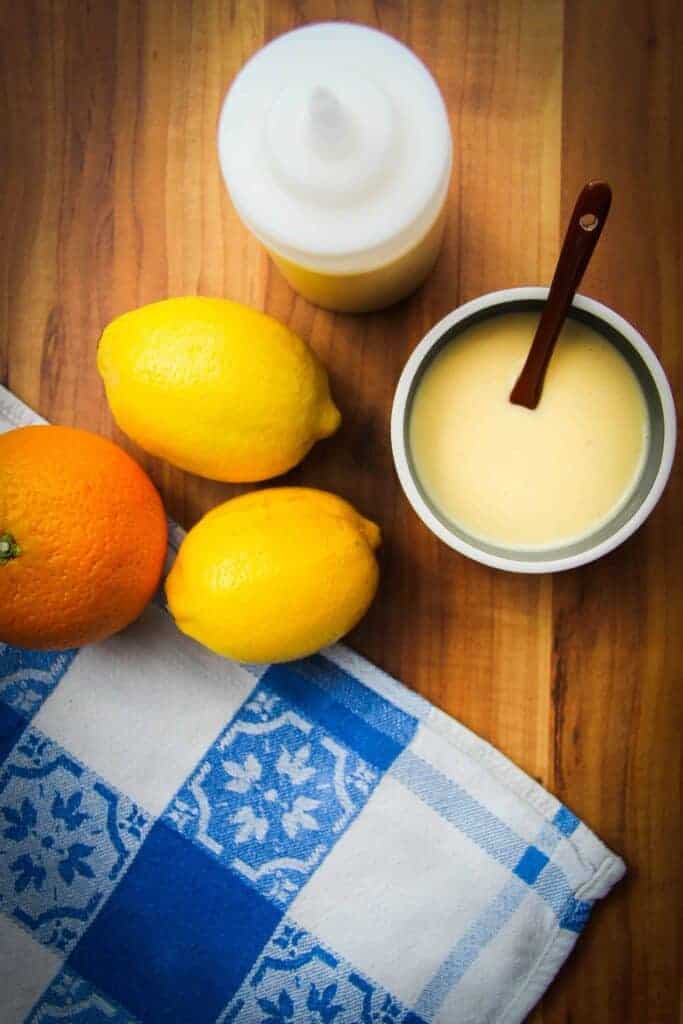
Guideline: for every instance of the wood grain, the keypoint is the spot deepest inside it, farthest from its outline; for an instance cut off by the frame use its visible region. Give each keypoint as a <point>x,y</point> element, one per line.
<point>112,197</point>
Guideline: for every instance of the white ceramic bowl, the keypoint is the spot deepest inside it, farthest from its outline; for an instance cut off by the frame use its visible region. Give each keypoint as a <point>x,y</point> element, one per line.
<point>657,465</point>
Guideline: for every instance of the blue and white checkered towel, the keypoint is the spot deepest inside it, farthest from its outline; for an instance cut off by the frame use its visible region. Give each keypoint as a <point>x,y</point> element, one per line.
<point>183,839</point>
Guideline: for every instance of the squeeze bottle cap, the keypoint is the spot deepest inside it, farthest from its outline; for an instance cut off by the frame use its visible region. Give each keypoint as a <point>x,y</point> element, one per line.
<point>335,147</point>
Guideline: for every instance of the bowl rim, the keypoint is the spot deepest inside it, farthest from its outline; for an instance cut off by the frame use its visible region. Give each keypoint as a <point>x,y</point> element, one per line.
<point>420,353</point>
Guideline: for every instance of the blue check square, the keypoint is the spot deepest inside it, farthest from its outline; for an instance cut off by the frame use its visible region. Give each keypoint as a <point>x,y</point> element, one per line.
<point>27,678</point>
<point>71,999</point>
<point>178,935</point>
<point>12,725</point>
<point>272,795</point>
<point>566,822</point>
<point>576,914</point>
<point>298,979</point>
<point>65,840</point>
<point>531,864</point>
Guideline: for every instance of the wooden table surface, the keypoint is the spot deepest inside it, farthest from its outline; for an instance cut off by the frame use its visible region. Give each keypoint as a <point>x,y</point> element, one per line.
<point>111,197</point>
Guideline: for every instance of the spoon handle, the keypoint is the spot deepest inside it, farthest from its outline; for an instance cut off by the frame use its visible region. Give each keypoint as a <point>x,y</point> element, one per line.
<point>585,227</point>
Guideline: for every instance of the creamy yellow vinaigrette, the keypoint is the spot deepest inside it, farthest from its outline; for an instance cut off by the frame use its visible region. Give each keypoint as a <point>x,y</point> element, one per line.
<point>522,478</point>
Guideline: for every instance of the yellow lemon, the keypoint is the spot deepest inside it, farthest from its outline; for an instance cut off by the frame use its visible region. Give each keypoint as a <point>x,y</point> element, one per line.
<point>274,575</point>
<point>215,388</point>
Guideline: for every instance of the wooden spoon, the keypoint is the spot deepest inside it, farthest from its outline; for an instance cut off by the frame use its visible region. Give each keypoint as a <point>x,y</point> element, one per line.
<point>585,227</point>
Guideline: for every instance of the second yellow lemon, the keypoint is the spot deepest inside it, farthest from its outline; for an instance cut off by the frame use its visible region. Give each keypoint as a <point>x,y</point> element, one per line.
<point>215,387</point>
<point>275,574</point>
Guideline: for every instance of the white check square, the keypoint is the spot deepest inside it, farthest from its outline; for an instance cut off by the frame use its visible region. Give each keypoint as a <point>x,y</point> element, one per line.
<point>385,897</point>
<point>144,729</point>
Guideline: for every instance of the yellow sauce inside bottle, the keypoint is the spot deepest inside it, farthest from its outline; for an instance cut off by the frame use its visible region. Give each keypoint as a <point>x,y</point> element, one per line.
<point>371,289</point>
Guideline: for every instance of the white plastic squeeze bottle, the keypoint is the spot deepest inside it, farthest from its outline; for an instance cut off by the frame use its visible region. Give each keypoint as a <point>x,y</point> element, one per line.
<point>335,146</point>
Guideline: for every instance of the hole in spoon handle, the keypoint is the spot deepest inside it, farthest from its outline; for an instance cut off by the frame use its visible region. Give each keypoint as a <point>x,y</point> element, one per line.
<point>588,221</point>
<point>585,227</point>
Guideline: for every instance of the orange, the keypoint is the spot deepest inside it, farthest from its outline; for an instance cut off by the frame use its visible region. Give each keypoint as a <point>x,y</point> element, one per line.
<point>82,538</point>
